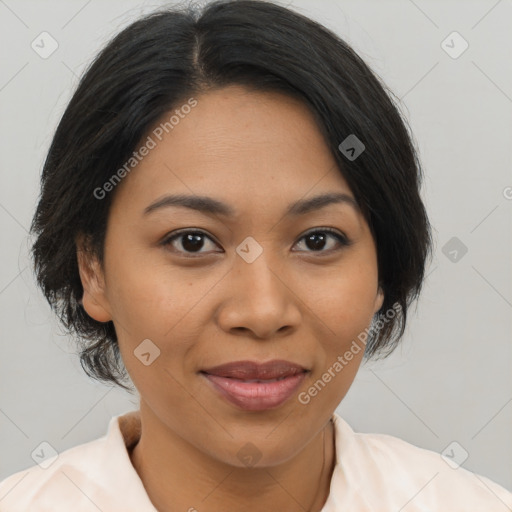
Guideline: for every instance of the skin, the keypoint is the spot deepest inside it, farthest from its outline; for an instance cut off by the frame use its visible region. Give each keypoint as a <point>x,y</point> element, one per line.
<point>257,152</point>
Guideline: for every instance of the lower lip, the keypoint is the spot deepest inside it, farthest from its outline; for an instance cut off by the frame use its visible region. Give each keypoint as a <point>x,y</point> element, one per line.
<point>256,396</point>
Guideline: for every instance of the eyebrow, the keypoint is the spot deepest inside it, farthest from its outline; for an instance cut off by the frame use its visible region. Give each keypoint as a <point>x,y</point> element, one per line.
<point>213,206</point>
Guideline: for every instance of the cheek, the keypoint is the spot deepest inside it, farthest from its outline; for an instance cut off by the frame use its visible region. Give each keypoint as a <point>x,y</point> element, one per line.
<point>149,302</point>
<point>145,298</point>
<point>345,301</point>
<point>346,306</point>
<point>345,311</point>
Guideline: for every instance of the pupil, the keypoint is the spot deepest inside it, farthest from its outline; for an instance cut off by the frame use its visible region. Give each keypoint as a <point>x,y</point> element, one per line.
<point>192,242</point>
<point>314,239</point>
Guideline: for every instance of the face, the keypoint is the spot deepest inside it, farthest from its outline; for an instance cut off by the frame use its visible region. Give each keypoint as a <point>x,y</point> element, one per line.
<point>255,283</point>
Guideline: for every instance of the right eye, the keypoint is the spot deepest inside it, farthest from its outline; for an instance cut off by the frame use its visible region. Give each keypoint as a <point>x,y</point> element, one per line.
<point>187,242</point>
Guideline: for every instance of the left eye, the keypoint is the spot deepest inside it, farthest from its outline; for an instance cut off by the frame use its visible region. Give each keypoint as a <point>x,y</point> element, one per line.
<point>193,241</point>
<point>317,239</point>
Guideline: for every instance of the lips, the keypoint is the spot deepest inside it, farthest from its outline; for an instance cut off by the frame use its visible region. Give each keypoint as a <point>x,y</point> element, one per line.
<point>256,386</point>
<point>251,370</point>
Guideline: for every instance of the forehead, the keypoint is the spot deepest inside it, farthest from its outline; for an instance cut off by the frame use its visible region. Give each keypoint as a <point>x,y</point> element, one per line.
<point>239,144</point>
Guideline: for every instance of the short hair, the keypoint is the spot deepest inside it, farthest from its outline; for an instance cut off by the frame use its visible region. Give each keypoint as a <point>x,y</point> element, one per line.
<point>148,68</point>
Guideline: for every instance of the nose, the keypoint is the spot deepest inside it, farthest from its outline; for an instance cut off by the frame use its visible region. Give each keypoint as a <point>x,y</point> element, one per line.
<point>258,300</point>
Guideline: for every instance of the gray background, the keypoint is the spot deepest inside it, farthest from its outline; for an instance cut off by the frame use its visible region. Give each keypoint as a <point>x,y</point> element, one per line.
<point>451,378</point>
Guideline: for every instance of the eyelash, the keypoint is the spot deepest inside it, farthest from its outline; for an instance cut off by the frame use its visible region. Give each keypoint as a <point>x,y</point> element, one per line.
<point>342,240</point>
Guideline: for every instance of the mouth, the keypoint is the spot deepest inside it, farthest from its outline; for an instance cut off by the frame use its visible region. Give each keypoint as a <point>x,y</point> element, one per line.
<point>256,386</point>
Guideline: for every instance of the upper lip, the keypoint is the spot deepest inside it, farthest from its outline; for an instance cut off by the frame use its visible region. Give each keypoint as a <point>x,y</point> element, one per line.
<point>249,370</point>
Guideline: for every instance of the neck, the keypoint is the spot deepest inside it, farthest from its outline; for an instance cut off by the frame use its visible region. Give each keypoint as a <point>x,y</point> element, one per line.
<point>179,477</point>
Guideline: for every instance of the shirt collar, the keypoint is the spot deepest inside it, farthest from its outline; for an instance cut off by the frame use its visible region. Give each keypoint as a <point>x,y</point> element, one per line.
<point>125,430</point>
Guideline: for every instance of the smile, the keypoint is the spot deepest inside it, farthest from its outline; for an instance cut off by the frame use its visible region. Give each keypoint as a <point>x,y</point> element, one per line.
<point>256,386</point>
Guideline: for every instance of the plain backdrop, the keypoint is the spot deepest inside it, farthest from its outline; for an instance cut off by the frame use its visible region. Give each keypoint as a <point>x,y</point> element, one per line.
<point>451,378</point>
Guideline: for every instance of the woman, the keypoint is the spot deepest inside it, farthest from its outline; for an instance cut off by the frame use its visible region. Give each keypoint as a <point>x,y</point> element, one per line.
<point>230,216</point>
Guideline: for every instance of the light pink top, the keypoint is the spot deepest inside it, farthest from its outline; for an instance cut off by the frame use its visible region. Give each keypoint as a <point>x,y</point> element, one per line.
<point>373,472</point>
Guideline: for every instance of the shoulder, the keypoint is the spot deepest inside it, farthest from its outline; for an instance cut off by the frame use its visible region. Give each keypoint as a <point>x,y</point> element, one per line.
<point>93,476</point>
<point>412,477</point>
<point>60,477</point>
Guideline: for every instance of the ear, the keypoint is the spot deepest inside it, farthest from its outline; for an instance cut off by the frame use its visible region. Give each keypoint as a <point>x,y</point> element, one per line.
<point>379,299</point>
<point>94,299</point>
